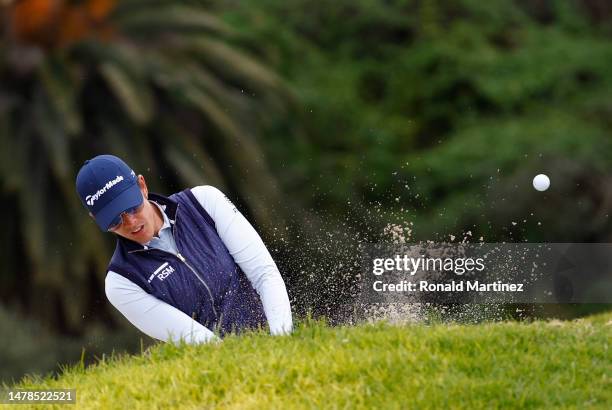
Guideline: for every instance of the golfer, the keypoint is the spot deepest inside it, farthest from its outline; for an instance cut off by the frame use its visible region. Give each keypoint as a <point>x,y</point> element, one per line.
<point>186,267</point>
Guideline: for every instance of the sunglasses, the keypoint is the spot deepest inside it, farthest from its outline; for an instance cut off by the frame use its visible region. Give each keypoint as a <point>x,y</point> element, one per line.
<point>116,223</point>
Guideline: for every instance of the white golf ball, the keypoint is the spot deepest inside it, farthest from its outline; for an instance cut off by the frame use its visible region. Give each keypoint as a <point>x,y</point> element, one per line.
<point>541,182</point>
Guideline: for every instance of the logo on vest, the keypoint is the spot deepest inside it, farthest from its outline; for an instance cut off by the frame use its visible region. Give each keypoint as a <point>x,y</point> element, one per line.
<point>162,272</point>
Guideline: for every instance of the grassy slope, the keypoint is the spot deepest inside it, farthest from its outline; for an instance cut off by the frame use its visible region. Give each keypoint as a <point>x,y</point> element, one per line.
<point>542,364</point>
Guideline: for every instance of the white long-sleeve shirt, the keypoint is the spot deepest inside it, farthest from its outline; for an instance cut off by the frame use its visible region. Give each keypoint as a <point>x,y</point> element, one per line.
<point>165,322</point>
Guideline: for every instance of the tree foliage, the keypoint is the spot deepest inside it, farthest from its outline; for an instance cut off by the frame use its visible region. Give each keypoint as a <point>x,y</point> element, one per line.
<point>442,112</point>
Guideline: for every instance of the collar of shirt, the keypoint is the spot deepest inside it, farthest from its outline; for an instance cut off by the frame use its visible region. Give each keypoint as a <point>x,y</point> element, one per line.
<point>166,226</point>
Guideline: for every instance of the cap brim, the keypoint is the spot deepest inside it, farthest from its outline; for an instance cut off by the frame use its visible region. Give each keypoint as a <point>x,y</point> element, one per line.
<point>129,198</point>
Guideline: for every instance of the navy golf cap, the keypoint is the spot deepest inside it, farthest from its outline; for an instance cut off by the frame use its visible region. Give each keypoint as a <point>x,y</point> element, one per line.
<point>107,187</point>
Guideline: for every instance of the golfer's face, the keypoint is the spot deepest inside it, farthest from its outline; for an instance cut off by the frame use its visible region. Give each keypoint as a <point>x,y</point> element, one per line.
<point>138,226</point>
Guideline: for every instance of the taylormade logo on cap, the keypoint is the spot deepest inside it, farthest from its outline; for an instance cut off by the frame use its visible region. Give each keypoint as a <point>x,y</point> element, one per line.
<point>90,199</point>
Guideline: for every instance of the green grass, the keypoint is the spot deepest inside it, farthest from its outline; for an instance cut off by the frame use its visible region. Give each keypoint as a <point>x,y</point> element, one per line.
<point>541,364</point>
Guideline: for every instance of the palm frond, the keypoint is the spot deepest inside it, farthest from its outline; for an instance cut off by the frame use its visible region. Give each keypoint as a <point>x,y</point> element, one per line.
<point>170,19</point>
<point>233,65</point>
<point>253,178</point>
<point>32,207</point>
<point>10,176</point>
<point>135,97</point>
<point>195,166</point>
<point>62,88</point>
<point>52,131</point>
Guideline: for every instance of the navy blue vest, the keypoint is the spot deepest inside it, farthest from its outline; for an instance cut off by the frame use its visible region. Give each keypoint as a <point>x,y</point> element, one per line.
<point>203,280</point>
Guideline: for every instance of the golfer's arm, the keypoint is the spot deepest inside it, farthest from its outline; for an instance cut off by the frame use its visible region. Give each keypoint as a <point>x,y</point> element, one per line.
<point>151,315</point>
<point>250,253</point>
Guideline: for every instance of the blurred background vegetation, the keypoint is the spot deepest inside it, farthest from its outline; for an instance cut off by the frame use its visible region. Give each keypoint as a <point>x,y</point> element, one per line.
<point>325,121</point>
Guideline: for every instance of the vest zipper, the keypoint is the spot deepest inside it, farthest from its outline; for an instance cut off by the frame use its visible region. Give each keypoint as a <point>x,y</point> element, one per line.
<point>212,300</point>
<point>182,258</point>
